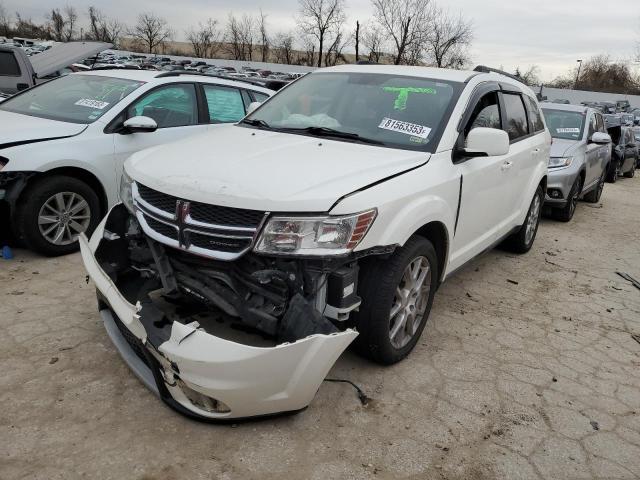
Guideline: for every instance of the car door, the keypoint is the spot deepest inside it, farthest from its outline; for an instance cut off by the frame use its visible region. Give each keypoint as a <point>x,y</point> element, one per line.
<point>593,153</point>
<point>174,107</point>
<point>485,186</point>
<point>629,151</point>
<point>224,104</point>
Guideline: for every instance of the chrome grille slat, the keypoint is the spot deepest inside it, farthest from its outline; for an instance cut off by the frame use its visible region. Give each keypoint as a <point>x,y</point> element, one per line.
<point>172,221</point>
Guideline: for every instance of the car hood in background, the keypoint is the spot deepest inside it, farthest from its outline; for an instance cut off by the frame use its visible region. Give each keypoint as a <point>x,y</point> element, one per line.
<point>20,129</point>
<point>562,148</point>
<point>64,54</point>
<point>265,170</point>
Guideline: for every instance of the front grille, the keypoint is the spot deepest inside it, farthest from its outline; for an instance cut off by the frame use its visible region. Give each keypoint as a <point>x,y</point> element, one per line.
<point>133,341</point>
<point>213,231</point>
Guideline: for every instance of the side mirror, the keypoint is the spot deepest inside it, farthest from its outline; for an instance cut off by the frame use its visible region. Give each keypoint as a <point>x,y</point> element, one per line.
<point>253,106</point>
<point>140,124</point>
<point>491,142</point>
<point>600,138</point>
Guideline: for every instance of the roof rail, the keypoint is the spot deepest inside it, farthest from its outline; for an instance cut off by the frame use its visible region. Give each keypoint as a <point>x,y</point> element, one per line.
<point>265,83</point>
<point>113,67</point>
<point>485,69</point>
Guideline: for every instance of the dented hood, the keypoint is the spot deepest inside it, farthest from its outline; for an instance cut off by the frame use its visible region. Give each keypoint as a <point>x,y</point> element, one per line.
<point>265,170</point>
<point>20,129</point>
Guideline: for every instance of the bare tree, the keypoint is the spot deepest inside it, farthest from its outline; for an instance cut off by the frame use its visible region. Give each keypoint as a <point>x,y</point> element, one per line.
<point>205,40</point>
<point>356,38</point>
<point>405,22</point>
<point>57,25</point>
<point>102,29</point>
<point>5,21</point>
<point>283,48</point>
<point>151,30</point>
<point>309,51</point>
<point>71,19</point>
<point>25,27</point>
<point>240,37</point>
<point>373,39</point>
<point>448,39</point>
<point>334,52</point>
<point>264,37</point>
<point>530,77</point>
<point>320,18</point>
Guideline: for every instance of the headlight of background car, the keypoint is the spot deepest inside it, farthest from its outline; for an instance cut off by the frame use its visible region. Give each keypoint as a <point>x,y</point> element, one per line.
<point>326,235</point>
<point>126,196</point>
<point>557,162</point>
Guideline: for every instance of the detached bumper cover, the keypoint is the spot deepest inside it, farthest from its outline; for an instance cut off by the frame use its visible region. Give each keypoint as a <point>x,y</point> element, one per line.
<point>194,365</point>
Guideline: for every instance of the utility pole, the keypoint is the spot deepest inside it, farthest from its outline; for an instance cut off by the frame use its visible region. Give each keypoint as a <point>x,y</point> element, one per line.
<point>575,85</point>
<point>357,39</point>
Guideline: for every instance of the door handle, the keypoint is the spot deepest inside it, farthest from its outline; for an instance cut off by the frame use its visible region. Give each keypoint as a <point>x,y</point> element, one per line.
<point>506,165</point>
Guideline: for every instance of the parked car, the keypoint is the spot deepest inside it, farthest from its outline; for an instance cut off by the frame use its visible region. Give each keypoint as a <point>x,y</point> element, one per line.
<point>18,71</point>
<point>636,136</point>
<point>623,106</point>
<point>579,159</point>
<point>351,195</point>
<point>63,143</point>
<point>625,154</point>
<point>628,119</point>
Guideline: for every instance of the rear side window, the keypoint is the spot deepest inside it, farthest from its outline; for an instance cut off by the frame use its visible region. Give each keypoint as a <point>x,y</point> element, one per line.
<point>9,65</point>
<point>535,114</point>
<point>516,122</point>
<point>225,104</point>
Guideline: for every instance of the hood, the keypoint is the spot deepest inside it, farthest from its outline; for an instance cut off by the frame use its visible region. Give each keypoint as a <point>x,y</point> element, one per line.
<point>564,148</point>
<point>64,54</point>
<point>264,170</point>
<point>20,129</point>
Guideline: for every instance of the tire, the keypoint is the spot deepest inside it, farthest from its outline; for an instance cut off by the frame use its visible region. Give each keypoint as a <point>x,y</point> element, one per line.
<point>565,214</point>
<point>595,195</point>
<point>379,282</point>
<point>522,240</point>
<point>631,173</point>
<point>42,199</point>
<point>614,171</point>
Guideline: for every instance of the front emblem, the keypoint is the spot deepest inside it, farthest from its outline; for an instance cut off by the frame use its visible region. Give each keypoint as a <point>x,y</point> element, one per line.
<point>183,209</point>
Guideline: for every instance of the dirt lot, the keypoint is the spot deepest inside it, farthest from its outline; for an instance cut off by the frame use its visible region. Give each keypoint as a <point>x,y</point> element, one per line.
<point>527,369</point>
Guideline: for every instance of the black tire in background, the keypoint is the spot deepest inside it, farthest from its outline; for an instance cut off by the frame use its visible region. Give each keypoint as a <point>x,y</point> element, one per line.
<point>594,195</point>
<point>31,206</point>
<point>632,172</point>
<point>380,281</point>
<point>522,240</point>
<point>565,214</point>
<point>614,168</point>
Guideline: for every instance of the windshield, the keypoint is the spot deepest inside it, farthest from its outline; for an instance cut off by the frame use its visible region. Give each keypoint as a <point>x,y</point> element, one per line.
<point>389,110</point>
<point>72,98</point>
<point>563,124</point>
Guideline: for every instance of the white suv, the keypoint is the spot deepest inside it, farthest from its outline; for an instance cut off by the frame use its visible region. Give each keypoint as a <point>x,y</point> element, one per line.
<point>63,143</point>
<point>334,210</point>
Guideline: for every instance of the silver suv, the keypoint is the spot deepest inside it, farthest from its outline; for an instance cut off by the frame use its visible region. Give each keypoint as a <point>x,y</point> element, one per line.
<point>580,157</point>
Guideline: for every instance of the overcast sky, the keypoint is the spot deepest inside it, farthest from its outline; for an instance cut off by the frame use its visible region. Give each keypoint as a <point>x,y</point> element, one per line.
<point>552,34</point>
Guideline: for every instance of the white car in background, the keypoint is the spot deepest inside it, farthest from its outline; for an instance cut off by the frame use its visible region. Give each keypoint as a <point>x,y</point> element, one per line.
<point>63,143</point>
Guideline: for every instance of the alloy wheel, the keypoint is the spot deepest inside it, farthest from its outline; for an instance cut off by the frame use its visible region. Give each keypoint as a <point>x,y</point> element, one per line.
<point>410,302</point>
<point>532,219</point>
<point>63,217</point>
<point>575,195</point>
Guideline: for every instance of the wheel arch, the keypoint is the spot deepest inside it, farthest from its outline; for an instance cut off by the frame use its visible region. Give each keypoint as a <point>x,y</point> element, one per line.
<point>79,173</point>
<point>436,232</point>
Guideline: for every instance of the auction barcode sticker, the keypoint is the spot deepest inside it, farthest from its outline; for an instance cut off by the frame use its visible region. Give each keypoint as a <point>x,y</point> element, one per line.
<point>87,102</point>
<point>567,130</point>
<point>407,128</point>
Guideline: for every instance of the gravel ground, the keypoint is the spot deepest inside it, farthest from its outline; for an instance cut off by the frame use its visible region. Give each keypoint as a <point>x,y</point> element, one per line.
<point>527,369</point>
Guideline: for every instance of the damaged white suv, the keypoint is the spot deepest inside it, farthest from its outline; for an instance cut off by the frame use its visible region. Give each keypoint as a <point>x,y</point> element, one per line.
<point>242,262</point>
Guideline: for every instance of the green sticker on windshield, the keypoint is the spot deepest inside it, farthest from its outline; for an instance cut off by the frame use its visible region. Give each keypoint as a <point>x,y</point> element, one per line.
<point>403,94</point>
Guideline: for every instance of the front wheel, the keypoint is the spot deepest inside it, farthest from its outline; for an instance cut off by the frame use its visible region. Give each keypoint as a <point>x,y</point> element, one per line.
<point>594,195</point>
<point>522,240</point>
<point>631,173</point>
<point>53,211</point>
<point>397,294</point>
<point>565,214</point>
<point>614,172</point>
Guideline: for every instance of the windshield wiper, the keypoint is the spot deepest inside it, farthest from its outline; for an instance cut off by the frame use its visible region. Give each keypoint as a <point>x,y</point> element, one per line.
<point>255,122</point>
<point>330,132</point>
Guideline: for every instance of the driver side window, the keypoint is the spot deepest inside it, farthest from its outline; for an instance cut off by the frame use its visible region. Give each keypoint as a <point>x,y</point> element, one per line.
<point>170,106</point>
<point>485,114</point>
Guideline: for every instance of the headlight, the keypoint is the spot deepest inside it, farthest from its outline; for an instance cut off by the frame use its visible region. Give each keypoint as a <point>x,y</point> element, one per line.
<point>557,162</point>
<point>126,197</point>
<point>326,235</point>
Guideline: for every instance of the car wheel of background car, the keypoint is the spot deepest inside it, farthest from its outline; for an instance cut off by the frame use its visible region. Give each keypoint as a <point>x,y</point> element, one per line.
<point>612,175</point>
<point>631,173</point>
<point>53,211</point>
<point>522,240</point>
<point>594,195</point>
<point>397,294</point>
<point>565,213</point>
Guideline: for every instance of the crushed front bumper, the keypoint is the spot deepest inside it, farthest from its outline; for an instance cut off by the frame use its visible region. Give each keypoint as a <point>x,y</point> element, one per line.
<point>207,377</point>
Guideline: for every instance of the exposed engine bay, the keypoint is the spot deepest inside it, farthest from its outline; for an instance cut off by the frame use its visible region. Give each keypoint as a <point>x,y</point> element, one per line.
<point>252,300</point>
